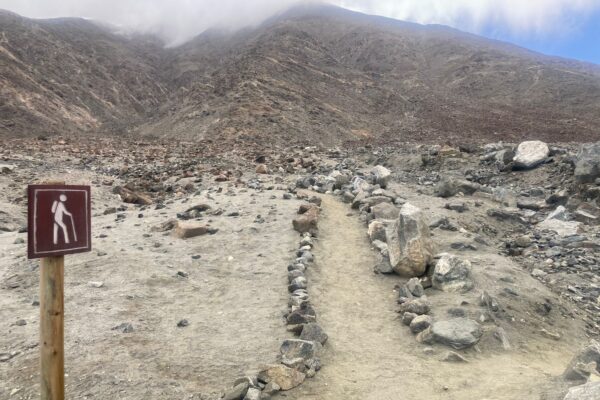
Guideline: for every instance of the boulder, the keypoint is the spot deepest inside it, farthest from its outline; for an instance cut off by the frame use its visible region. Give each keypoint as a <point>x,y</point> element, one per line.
<point>186,230</point>
<point>381,175</point>
<point>409,243</point>
<point>385,211</point>
<point>587,163</point>
<point>451,274</point>
<point>284,377</point>
<point>589,391</point>
<point>376,231</point>
<point>530,154</point>
<point>458,333</point>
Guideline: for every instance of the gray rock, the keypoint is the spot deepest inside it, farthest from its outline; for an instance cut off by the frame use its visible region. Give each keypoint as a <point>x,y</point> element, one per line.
<point>502,337</point>
<point>587,164</point>
<point>358,199</point>
<point>558,221</point>
<point>452,274</point>
<point>314,333</point>
<point>458,207</point>
<point>271,388</point>
<point>409,243</point>
<point>385,211</point>
<point>415,287</point>
<point>382,175</point>
<point>425,337</point>
<point>183,323</point>
<point>125,327</point>
<point>589,391</point>
<point>420,323</point>
<point>416,306</point>
<point>448,187</point>
<point>384,266</point>
<point>458,333</point>
<point>237,393</point>
<point>408,317</point>
<point>377,231</point>
<point>298,283</point>
<point>576,369</point>
<point>294,274</point>
<point>530,154</point>
<point>252,394</point>
<point>303,315</point>
<point>488,301</point>
<point>298,348</point>
<point>347,197</point>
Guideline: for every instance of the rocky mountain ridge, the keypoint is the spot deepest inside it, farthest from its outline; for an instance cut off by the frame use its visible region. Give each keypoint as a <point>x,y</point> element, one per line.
<point>321,75</point>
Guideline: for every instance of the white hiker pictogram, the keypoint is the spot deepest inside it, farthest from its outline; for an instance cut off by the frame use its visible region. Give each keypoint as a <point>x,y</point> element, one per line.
<point>59,210</point>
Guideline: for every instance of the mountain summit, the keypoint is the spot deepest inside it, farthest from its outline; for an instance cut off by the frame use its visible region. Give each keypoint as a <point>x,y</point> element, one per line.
<point>314,74</point>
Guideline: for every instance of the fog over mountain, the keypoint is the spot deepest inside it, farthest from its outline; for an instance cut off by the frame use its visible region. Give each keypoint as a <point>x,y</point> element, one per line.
<point>318,74</point>
<point>177,21</point>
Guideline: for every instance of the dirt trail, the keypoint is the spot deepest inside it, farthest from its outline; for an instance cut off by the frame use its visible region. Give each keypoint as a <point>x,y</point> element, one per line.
<point>370,355</point>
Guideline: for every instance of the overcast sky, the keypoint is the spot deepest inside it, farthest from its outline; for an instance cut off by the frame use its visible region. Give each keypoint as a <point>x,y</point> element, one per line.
<point>570,28</point>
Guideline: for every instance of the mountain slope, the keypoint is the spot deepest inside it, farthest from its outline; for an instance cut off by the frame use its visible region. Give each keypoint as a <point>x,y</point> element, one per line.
<point>311,75</point>
<point>71,75</point>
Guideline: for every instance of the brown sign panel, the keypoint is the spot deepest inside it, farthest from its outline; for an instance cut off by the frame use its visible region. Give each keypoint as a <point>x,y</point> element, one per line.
<point>59,220</point>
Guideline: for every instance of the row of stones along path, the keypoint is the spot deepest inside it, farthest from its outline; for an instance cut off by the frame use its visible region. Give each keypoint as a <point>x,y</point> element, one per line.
<point>369,354</point>
<point>366,356</point>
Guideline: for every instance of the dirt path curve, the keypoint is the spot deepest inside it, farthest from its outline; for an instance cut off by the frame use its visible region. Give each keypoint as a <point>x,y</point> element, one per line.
<point>370,355</point>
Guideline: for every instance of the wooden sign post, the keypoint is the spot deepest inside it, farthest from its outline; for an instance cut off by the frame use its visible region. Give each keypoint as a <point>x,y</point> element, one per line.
<point>59,223</point>
<point>52,358</point>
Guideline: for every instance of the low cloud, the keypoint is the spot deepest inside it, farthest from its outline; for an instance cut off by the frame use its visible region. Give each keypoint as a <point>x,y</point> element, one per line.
<point>517,17</point>
<point>179,20</point>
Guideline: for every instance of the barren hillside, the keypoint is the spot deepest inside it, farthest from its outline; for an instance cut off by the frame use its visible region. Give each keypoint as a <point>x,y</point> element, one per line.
<point>315,74</point>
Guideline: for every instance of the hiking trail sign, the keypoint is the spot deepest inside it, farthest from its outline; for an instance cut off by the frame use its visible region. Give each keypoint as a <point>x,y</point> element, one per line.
<point>58,223</point>
<point>59,220</point>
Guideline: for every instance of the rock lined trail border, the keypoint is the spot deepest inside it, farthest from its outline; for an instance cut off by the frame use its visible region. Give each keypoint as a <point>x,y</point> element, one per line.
<point>299,356</point>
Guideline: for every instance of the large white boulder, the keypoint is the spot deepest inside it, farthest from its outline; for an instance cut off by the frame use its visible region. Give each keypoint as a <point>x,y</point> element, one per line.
<point>530,154</point>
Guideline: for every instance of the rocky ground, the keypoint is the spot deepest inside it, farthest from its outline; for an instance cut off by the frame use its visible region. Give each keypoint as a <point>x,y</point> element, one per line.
<point>413,271</point>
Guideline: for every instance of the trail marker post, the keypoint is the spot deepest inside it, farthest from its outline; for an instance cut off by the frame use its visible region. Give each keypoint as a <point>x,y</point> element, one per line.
<point>59,223</point>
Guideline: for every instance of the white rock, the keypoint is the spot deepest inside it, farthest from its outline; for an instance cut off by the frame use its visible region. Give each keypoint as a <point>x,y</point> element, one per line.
<point>530,154</point>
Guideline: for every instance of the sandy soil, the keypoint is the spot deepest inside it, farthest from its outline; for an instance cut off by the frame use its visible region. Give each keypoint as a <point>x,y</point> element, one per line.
<point>234,298</point>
